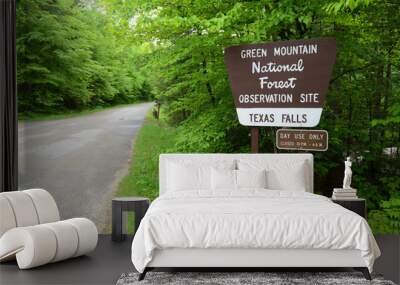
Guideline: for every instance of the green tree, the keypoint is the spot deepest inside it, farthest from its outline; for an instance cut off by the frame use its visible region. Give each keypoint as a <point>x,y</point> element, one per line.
<point>70,57</point>
<point>362,111</point>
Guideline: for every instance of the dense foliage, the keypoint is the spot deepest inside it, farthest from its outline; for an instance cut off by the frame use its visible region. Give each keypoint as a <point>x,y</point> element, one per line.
<point>69,57</point>
<point>74,54</point>
<point>362,113</point>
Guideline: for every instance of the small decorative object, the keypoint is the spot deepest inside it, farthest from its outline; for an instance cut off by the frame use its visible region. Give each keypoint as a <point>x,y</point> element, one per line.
<point>347,192</point>
<point>347,174</point>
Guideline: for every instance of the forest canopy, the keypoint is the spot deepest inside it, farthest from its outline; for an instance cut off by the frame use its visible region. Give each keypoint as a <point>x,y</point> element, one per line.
<point>69,57</point>
<point>79,53</point>
<point>362,113</point>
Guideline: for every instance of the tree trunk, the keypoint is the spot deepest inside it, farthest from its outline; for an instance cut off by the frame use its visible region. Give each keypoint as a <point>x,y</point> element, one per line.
<point>388,85</point>
<point>208,84</point>
<point>349,123</point>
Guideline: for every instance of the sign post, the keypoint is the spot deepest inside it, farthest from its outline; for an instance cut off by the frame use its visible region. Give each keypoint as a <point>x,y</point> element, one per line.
<point>255,136</point>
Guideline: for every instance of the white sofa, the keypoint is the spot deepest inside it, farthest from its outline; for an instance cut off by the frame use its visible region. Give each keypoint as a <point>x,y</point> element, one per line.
<point>31,231</point>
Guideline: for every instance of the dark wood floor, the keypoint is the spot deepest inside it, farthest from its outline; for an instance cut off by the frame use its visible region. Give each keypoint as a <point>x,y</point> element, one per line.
<point>103,266</point>
<point>110,260</point>
<point>389,262</point>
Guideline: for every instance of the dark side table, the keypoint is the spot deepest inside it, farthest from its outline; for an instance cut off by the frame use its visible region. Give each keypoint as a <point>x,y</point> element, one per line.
<point>357,205</point>
<point>120,207</point>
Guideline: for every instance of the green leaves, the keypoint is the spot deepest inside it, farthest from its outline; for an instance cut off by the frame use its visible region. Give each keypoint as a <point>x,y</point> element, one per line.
<point>393,117</point>
<point>335,7</point>
<point>362,110</point>
<point>70,58</point>
<point>387,220</point>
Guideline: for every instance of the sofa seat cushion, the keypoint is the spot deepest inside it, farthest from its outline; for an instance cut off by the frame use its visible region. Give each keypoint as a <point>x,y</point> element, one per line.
<point>40,244</point>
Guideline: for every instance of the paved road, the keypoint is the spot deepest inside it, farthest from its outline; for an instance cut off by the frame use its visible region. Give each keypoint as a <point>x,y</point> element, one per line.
<point>80,160</point>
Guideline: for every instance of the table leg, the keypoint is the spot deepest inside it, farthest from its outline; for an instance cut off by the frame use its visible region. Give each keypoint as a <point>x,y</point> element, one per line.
<point>140,211</point>
<point>117,222</point>
<point>124,222</point>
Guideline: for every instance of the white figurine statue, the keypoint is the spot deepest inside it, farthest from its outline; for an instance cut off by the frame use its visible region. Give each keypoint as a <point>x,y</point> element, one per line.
<point>347,174</point>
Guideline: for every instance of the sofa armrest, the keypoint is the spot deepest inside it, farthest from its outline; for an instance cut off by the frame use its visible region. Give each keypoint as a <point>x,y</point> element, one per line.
<point>32,246</point>
<point>40,244</point>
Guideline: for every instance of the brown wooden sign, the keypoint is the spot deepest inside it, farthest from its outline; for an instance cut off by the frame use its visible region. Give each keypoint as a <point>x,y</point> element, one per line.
<point>316,140</point>
<point>280,83</point>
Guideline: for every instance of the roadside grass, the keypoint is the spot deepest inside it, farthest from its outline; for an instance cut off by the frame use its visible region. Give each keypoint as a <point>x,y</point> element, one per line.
<point>154,138</point>
<point>65,114</point>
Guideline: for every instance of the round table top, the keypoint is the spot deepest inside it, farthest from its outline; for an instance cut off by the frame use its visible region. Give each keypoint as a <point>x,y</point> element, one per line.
<point>130,199</point>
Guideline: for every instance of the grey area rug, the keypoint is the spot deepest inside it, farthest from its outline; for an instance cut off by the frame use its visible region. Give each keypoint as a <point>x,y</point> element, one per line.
<point>236,278</point>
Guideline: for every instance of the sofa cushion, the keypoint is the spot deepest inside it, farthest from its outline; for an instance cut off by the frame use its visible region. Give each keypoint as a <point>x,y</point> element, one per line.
<point>7,215</point>
<point>32,246</point>
<point>87,235</point>
<point>27,208</point>
<point>46,207</point>
<point>67,240</point>
<point>23,208</point>
<point>41,244</point>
